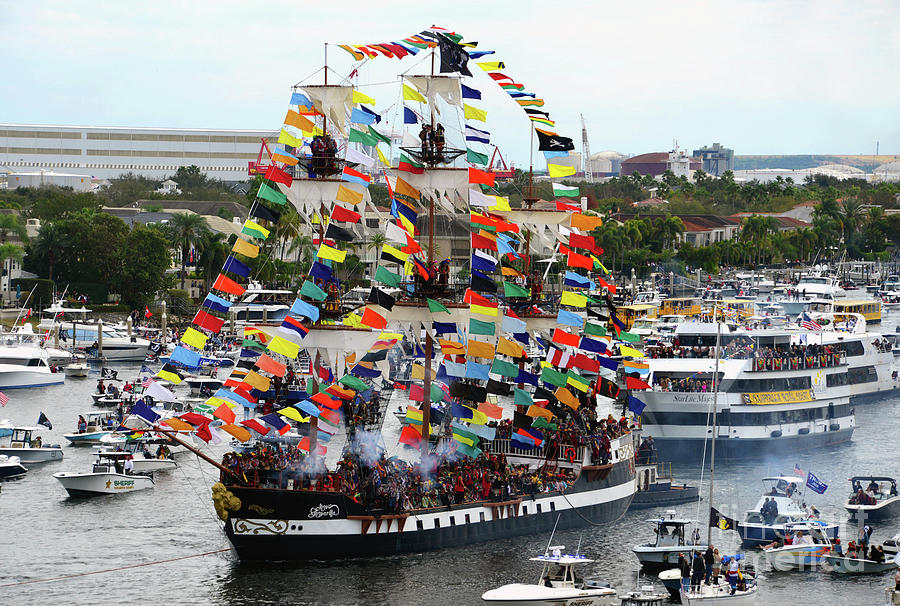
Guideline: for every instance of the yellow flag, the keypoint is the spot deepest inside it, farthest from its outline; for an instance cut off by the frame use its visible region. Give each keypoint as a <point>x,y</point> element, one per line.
<point>257,381</point>
<point>510,348</point>
<point>480,349</point>
<point>485,311</point>
<point>332,254</point>
<point>353,320</point>
<point>349,195</point>
<point>573,298</point>
<point>558,171</point>
<point>381,157</point>
<point>473,113</point>
<point>214,402</point>
<point>491,66</point>
<point>284,347</point>
<point>292,413</point>
<point>242,247</point>
<point>411,94</point>
<point>502,203</point>
<point>630,352</point>
<point>289,139</point>
<point>359,97</point>
<point>194,338</point>
<point>255,229</point>
<point>394,252</point>
<point>478,417</point>
<point>418,372</point>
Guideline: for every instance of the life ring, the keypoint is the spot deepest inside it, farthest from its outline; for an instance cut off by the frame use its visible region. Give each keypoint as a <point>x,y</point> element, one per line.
<point>569,454</point>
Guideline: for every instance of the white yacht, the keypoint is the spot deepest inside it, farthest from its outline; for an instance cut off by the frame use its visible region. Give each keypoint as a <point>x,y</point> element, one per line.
<point>805,552</point>
<point>23,442</point>
<point>663,550</point>
<point>107,476</point>
<point>777,404</point>
<point>143,459</point>
<point>24,363</point>
<point>259,304</point>
<point>77,331</point>
<point>786,491</point>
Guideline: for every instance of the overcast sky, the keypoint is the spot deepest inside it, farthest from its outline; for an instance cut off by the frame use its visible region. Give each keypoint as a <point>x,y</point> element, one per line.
<point>762,77</point>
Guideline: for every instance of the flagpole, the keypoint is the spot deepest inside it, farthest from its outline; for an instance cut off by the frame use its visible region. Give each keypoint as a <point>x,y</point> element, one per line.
<point>712,458</point>
<point>530,199</point>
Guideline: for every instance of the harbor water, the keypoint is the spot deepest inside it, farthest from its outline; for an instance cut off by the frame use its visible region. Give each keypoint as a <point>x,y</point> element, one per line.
<point>150,543</point>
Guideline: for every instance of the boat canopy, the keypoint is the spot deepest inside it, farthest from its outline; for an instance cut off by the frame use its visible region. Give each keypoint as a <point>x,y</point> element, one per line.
<point>874,479</point>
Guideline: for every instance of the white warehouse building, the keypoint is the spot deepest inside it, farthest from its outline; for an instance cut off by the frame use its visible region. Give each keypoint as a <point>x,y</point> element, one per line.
<point>107,152</point>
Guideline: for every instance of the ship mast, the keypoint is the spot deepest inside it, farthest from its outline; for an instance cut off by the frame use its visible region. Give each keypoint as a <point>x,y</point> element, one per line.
<point>715,414</point>
<point>429,343</point>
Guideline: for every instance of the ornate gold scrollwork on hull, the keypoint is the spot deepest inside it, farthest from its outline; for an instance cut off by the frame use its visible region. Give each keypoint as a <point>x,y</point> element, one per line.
<point>245,526</point>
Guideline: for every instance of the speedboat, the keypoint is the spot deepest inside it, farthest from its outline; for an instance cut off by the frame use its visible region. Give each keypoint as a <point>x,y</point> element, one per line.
<point>846,565</point>
<point>878,501</point>
<point>107,476</point>
<point>97,426</point>
<point>558,585</point>
<point>785,491</point>
<point>78,367</point>
<point>21,442</point>
<point>11,468</point>
<point>669,543</point>
<point>645,596</point>
<point>720,593</point>
<point>143,460</point>
<point>24,363</point>
<point>807,549</point>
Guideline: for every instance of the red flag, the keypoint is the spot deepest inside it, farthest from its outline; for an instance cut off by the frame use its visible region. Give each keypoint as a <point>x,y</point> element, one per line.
<point>479,241</point>
<point>339,213</point>
<point>147,313</point>
<point>224,413</point>
<point>565,338</point>
<point>208,321</point>
<point>304,445</point>
<point>473,297</point>
<point>579,241</point>
<point>226,284</point>
<point>569,207</point>
<point>203,433</point>
<point>632,383</point>
<point>480,176</point>
<point>411,436</point>
<point>276,174</point>
<point>585,363</point>
<point>323,399</point>
<point>256,426</point>
<point>416,393</point>
<point>576,260</point>
<point>372,319</point>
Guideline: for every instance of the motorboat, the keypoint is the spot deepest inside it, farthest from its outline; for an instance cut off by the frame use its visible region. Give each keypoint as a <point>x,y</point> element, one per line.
<point>669,543</point>
<point>24,363</point>
<point>671,580</point>
<point>656,485</point>
<point>645,596</point>
<point>11,468</point>
<point>78,367</point>
<point>143,459</point>
<point>71,326</point>
<point>721,593</point>
<point>96,425</point>
<point>806,551</point>
<point>261,305</point>
<point>28,446</point>
<point>558,585</point>
<point>107,476</point>
<point>755,529</point>
<point>846,565</point>
<point>877,501</point>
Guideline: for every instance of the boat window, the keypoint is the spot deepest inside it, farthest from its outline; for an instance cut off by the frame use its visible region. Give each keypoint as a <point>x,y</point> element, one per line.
<point>771,384</point>
<point>467,519</point>
<point>852,348</point>
<point>452,520</point>
<point>437,522</point>
<point>863,374</point>
<point>481,516</point>
<point>420,525</point>
<point>552,506</point>
<point>836,379</point>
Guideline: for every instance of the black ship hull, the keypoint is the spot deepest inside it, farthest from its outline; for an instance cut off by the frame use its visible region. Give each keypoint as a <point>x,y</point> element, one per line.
<point>276,524</point>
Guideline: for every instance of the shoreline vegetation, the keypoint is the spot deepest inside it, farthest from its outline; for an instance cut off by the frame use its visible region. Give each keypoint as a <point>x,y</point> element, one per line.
<point>95,253</point>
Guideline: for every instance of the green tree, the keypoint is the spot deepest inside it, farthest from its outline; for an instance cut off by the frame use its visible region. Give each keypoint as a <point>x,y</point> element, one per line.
<point>12,224</point>
<point>211,255</point>
<point>145,259</point>
<point>187,231</point>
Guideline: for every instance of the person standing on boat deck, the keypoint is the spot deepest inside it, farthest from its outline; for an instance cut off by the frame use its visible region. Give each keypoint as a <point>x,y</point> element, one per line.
<point>717,566</point>
<point>129,465</point>
<point>708,560</point>
<point>685,568</point>
<point>698,568</point>
<point>733,568</point>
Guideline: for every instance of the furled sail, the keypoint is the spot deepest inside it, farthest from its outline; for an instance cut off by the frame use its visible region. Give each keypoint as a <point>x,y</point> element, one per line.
<point>334,102</point>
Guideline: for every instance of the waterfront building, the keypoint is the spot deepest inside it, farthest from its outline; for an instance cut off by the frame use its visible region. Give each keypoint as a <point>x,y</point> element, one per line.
<point>716,159</point>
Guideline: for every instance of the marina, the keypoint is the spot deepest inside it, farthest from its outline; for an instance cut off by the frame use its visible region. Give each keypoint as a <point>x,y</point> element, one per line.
<point>376,363</point>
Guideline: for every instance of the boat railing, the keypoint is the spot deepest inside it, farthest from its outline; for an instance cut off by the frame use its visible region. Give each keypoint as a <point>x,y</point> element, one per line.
<point>564,452</point>
<point>799,362</point>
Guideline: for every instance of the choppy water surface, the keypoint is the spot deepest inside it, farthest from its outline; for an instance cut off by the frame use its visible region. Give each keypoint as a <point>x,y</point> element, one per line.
<point>44,534</point>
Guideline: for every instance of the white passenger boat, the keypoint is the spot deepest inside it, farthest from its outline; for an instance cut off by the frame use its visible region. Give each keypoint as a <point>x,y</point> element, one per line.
<point>721,594</point>
<point>662,550</point>
<point>25,443</point>
<point>645,596</point>
<point>97,426</point>
<point>806,551</point>
<point>878,500</point>
<point>75,330</point>
<point>558,585</point>
<point>11,468</point>
<point>78,367</point>
<point>107,476</point>
<point>24,363</point>
<point>143,459</point>
<point>844,565</point>
<point>786,491</point>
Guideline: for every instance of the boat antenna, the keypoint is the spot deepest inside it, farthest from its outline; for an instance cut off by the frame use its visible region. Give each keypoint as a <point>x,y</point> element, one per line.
<point>22,308</point>
<point>712,455</point>
<point>552,532</point>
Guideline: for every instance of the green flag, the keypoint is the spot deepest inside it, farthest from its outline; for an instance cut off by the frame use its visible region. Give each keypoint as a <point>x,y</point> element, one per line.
<point>594,329</point>
<point>548,375</point>
<point>436,306</point>
<point>378,135</point>
<point>476,157</point>
<point>312,291</point>
<point>542,423</point>
<point>504,368</point>
<point>477,327</point>
<point>564,191</point>
<point>353,383</point>
<point>577,380</point>
<point>253,344</point>
<point>514,290</point>
<point>387,277</point>
<point>523,398</point>
<point>272,195</point>
<point>357,136</point>
<point>437,394</point>
<point>631,338</point>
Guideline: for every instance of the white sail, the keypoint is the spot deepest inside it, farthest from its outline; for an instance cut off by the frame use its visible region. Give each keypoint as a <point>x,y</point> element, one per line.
<point>434,87</point>
<point>308,195</point>
<point>335,102</point>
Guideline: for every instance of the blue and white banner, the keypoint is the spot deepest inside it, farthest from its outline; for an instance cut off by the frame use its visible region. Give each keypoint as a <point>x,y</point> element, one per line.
<point>815,484</point>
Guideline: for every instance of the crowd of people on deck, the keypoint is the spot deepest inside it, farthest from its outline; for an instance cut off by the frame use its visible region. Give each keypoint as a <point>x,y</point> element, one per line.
<point>784,357</point>
<point>704,568</point>
<point>324,154</point>
<point>686,384</point>
<point>433,141</point>
<point>734,349</point>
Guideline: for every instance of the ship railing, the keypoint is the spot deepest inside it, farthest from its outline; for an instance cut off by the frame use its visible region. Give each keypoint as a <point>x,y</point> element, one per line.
<point>799,362</point>
<point>564,452</point>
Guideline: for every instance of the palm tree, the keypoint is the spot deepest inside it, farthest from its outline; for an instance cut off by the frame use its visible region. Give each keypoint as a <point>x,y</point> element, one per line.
<point>851,217</point>
<point>187,230</point>
<point>9,252</point>
<point>285,231</point>
<point>49,244</point>
<point>12,224</point>
<point>669,230</point>
<point>211,254</point>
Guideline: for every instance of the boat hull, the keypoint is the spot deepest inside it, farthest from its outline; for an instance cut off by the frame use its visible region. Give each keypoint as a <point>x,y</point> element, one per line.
<point>797,557</point>
<point>278,524</point>
<point>86,439</point>
<point>652,557</point>
<point>12,471</point>
<point>721,594</point>
<point>844,565</point>
<point>889,508</point>
<point>519,594</point>
<point>761,534</point>
<point>34,455</point>
<point>23,379</point>
<point>95,484</point>
<point>658,498</point>
<point>684,449</point>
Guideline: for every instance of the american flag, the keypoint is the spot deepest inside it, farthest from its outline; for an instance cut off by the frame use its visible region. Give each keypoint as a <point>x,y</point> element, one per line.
<point>798,471</point>
<point>147,382</point>
<point>808,323</point>
<point>4,399</point>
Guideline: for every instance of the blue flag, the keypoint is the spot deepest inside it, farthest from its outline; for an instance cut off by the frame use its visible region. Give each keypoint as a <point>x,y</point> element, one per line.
<point>815,484</point>
<point>409,116</point>
<point>320,270</point>
<point>236,267</point>
<point>635,405</point>
<point>358,116</point>
<point>300,99</point>
<point>43,420</point>
<point>145,412</point>
<point>470,93</point>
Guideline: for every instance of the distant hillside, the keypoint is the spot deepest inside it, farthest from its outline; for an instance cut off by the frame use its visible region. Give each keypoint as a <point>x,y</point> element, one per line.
<point>866,163</point>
